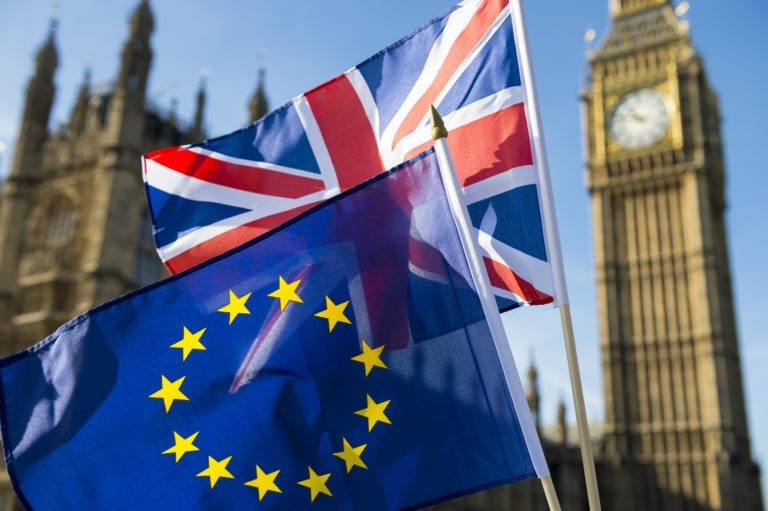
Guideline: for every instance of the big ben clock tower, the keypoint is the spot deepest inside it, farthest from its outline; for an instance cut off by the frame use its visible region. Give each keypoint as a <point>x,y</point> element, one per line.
<point>676,428</point>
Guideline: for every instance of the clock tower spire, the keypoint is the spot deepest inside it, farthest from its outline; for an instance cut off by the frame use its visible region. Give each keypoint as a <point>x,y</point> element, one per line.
<point>627,7</point>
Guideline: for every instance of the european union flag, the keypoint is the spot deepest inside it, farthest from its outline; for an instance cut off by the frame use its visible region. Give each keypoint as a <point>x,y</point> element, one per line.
<point>340,362</point>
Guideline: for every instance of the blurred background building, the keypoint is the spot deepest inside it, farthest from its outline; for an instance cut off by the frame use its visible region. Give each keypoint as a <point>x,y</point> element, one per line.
<point>75,233</point>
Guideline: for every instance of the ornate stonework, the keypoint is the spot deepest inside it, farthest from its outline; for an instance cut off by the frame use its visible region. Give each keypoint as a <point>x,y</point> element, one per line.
<point>675,419</point>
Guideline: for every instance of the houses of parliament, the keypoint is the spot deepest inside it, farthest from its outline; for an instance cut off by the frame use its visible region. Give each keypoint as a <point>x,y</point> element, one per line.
<point>75,233</point>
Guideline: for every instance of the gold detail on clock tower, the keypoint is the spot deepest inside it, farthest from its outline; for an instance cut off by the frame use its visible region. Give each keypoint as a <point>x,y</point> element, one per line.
<point>627,7</point>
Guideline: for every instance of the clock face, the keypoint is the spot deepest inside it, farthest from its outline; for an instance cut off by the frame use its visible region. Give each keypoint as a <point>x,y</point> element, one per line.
<point>639,119</point>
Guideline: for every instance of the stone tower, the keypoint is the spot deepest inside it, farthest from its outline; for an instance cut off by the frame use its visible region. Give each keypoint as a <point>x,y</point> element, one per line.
<point>676,428</point>
<point>258,106</point>
<point>73,221</point>
<point>15,204</point>
<point>74,230</point>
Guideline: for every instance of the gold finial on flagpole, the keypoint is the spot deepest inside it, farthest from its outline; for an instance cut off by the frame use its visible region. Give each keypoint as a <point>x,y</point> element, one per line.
<point>438,127</point>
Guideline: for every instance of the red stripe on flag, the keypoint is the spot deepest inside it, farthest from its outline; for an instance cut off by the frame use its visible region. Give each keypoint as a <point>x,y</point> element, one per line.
<point>491,145</point>
<point>241,177</point>
<point>347,133</point>
<point>503,277</point>
<point>477,28</point>
<point>385,298</point>
<point>233,238</point>
<point>426,257</point>
<point>488,146</point>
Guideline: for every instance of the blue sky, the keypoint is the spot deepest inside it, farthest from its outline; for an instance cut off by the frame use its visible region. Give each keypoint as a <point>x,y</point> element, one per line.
<point>304,42</point>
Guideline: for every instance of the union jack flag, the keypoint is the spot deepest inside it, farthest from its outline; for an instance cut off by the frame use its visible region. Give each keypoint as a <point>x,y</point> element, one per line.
<point>209,197</point>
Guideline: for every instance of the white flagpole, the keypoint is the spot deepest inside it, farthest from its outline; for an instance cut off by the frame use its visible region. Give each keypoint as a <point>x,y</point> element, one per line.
<point>552,240</point>
<point>488,302</point>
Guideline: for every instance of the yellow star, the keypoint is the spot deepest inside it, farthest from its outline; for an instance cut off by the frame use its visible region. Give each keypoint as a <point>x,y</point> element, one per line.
<point>216,470</point>
<point>334,313</point>
<point>236,306</point>
<point>182,446</point>
<point>316,484</point>
<point>351,455</point>
<point>374,412</point>
<point>286,292</point>
<point>189,342</point>
<point>170,391</point>
<point>264,482</point>
<point>370,357</point>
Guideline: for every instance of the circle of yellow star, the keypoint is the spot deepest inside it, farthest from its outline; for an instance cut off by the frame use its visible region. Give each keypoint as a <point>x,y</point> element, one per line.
<point>264,482</point>
<point>316,484</point>
<point>170,391</point>
<point>351,455</point>
<point>334,313</point>
<point>286,292</point>
<point>236,306</point>
<point>217,470</point>
<point>189,342</point>
<point>182,446</point>
<point>374,412</point>
<point>370,358</point>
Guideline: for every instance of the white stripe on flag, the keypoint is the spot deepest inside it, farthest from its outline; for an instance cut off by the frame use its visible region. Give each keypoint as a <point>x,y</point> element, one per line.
<point>255,164</point>
<point>457,22</point>
<point>175,183</point>
<point>529,268</point>
<point>316,142</point>
<point>500,183</point>
<point>371,110</point>
<point>483,107</point>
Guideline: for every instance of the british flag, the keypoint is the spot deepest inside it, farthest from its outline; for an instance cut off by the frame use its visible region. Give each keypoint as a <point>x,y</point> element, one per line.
<point>209,197</point>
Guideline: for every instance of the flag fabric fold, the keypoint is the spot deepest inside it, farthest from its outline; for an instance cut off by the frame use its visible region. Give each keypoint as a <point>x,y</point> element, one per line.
<point>341,361</point>
<point>211,196</point>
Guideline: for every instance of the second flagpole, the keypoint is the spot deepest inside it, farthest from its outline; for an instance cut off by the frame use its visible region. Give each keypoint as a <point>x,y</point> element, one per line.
<point>553,250</point>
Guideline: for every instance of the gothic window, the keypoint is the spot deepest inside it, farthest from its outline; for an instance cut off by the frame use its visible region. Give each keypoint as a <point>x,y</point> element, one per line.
<point>147,267</point>
<point>51,229</point>
<point>60,226</point>
<point>33,299</point>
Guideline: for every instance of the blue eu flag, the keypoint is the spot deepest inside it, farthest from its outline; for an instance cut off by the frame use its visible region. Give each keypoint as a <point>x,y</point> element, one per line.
<point>340,362</point>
